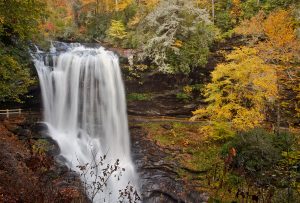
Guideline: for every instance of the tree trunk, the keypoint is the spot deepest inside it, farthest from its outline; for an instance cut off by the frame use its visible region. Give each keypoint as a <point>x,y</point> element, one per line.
<point>76,10</point>
<point>213,10</point>
<point>278,118</point>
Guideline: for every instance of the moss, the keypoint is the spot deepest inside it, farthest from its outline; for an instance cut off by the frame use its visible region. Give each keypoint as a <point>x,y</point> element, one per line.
<point>183,96</point>
<point>139,97</point>
<point>40,146</point>
<point>203,159</point>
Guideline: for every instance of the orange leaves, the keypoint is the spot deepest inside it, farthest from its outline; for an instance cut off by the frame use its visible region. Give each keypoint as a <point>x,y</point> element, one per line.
<point>123,4</point>
<point>48,26</point>
<point>279,28</point>
<point>253,26</point>
<point>282,45</point>
<point>231,154</point>
<point>236,10</point>
<point>106,6</point>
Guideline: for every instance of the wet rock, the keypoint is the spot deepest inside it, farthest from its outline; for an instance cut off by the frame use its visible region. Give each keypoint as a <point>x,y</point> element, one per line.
<point>201,198</point>
<point>167,126</point>
<point>61,165</point>
<point>39,129</point>
<point>159,180</point>
<point>24,133</point>
<point>53,148</point>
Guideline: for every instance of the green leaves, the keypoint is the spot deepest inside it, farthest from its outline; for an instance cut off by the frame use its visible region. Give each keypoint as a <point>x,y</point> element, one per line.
<point>19,22</point>
<point>14,78</point>
<point>20,18</point>
<point>178,36</point>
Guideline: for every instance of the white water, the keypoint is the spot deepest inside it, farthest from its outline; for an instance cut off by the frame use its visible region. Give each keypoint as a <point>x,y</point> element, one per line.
<point>85,109</point>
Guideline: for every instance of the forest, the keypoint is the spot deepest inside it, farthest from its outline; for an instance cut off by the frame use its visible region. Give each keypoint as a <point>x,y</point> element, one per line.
<point>212,91</point>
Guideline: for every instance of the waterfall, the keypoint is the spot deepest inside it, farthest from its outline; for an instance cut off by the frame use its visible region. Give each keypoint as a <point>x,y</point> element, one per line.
<point>85,110</point>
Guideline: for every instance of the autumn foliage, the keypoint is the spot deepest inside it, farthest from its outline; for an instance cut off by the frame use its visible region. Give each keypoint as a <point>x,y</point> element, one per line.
<point>240,90</point>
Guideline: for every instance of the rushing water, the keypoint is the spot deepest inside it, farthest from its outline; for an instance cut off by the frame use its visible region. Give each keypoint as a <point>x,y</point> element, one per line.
<point>85,110</point>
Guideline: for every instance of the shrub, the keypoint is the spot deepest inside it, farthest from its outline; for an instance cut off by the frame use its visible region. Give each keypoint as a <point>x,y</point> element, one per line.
<point>259,150</point>
<point>256,151</point>
<point>218,131</point>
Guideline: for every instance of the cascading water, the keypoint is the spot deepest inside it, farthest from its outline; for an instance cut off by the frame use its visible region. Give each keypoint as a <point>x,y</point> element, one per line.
<point>85,109</point>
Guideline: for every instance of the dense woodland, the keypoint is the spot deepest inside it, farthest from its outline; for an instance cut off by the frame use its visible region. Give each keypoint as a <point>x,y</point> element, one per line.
<point>250,105</point>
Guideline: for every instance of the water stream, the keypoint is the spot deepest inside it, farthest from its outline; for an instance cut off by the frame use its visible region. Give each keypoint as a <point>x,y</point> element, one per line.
<point>85,110</point>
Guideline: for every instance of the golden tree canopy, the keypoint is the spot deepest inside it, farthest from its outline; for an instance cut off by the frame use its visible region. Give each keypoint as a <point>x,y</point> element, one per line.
<point>240,90</point>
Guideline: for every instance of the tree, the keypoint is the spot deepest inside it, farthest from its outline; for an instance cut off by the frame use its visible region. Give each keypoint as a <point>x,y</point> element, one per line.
<point>60,20</point>
<point>15,78</point>
<point>107,6</point>
<point>20,18</point>
<point>279,28</point>
<point>116,31</point>
<point>236,10</point>
<point>177,29</point>
<point>19,22</point>
<point>240,90</point>
<point>96,16</point>
<point>252,27</point>
<point>282,48</point>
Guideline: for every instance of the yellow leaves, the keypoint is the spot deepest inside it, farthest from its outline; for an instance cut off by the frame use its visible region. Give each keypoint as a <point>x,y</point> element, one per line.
<point>178,43</point>
<point>203,3</point>
<point>60,16</point>
<point>187,89</point>
<point>279,28</point>
<point>247,118</point>
<point>217,131</point>
<point>281,44</point>
<point>198,114</point>
<point>240,90</point>
<point>122,4</point>
<point>145,6</point>
<point>150,4</point>
<point>239,54</point>
<point>117,30</point>
<point>236,10</point>
<point>135,20</point>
